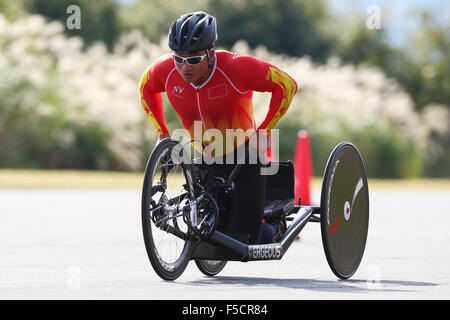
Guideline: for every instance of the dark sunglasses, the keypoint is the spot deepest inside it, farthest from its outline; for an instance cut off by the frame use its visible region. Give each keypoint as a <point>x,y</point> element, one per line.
<point>190,60</point>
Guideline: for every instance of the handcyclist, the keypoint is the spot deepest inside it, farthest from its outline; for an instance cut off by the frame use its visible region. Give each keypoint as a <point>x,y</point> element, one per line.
<point>214,89</point>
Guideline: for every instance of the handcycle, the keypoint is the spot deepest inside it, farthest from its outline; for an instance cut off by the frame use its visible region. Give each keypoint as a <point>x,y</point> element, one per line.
<point>180,213</point>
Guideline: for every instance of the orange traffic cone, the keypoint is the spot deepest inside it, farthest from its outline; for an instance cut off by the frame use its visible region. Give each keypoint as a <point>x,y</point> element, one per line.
<point>303,168</point>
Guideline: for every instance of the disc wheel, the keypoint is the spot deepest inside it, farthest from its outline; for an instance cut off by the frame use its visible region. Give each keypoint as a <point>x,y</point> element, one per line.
<point>344,210</point>
<point>168,186</point>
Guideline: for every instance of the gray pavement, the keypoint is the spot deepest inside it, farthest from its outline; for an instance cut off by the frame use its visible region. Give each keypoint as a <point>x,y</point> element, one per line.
<point>88,245</point>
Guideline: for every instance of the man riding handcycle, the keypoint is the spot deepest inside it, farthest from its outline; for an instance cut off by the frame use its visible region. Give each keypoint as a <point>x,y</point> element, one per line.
<point>213,212</point>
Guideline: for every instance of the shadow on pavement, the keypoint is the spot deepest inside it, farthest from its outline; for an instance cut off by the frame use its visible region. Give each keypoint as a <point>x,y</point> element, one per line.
<point>353,286</point>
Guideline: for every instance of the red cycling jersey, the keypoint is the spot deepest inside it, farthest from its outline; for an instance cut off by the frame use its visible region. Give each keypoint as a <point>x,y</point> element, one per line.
<point>224,100</point>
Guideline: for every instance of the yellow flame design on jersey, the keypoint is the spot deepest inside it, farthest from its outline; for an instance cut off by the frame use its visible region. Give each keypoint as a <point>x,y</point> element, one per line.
<point>289,89</point>
<point>150,115</point>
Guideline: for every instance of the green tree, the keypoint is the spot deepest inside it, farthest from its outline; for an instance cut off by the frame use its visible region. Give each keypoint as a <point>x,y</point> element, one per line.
<point>292,27</point>
<point>154,17</point>
<point>12,9</point>
<point>422,67</point>
<point>99,19</point>
<point>430,49</point>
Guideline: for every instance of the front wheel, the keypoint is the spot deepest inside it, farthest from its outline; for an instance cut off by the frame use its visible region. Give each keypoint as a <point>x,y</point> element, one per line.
<point>168,187</point>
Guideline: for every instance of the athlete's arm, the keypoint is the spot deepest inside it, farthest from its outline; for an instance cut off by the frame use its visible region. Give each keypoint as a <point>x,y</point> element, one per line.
<point>150,88</point>
<point>264,77</point>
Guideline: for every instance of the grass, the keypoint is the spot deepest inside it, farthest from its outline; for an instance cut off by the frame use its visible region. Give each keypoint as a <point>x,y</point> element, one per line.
<point>410,184</point>
<point>69,179</point>
<point>397,184</point>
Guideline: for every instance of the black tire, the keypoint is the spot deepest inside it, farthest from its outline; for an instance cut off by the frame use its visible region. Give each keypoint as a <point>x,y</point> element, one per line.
<point>344,225</point>
<point>210,268</point>
<point>169,266</point>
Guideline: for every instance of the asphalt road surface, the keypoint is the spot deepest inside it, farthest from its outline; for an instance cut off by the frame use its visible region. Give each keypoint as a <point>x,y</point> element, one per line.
<point>88,245</point>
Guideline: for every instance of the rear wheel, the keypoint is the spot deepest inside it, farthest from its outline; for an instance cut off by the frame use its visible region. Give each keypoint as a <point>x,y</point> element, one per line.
<point>210,267</point>
<point>168,187</point>
<point>344,210</point>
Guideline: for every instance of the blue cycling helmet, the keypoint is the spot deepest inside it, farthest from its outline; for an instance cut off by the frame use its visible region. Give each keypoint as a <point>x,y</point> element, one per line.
<point>193,32</point>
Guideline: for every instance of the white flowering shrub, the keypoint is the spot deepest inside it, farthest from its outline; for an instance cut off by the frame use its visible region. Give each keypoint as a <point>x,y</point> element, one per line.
<point>64,107</point>
<point>61,106</point>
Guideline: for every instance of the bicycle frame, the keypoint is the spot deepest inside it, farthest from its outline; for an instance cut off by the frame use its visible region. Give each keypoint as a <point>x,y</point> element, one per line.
<point>219,246</point>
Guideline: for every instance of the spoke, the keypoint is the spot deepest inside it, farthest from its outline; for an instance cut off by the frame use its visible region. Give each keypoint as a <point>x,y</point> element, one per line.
<point>163,220</point>
<point>169,229</point>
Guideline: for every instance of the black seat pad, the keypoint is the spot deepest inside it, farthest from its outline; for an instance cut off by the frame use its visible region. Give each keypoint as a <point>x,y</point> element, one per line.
<point>273,209</point>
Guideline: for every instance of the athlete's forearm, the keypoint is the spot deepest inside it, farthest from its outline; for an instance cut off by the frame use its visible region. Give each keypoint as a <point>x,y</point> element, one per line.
<point>153,107</point>
<point>264,77</point>
<point>283,92</point>
<point>152,103</point>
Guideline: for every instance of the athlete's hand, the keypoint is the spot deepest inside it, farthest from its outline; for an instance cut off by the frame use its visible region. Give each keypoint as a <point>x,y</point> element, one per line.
<point>163,136</point>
